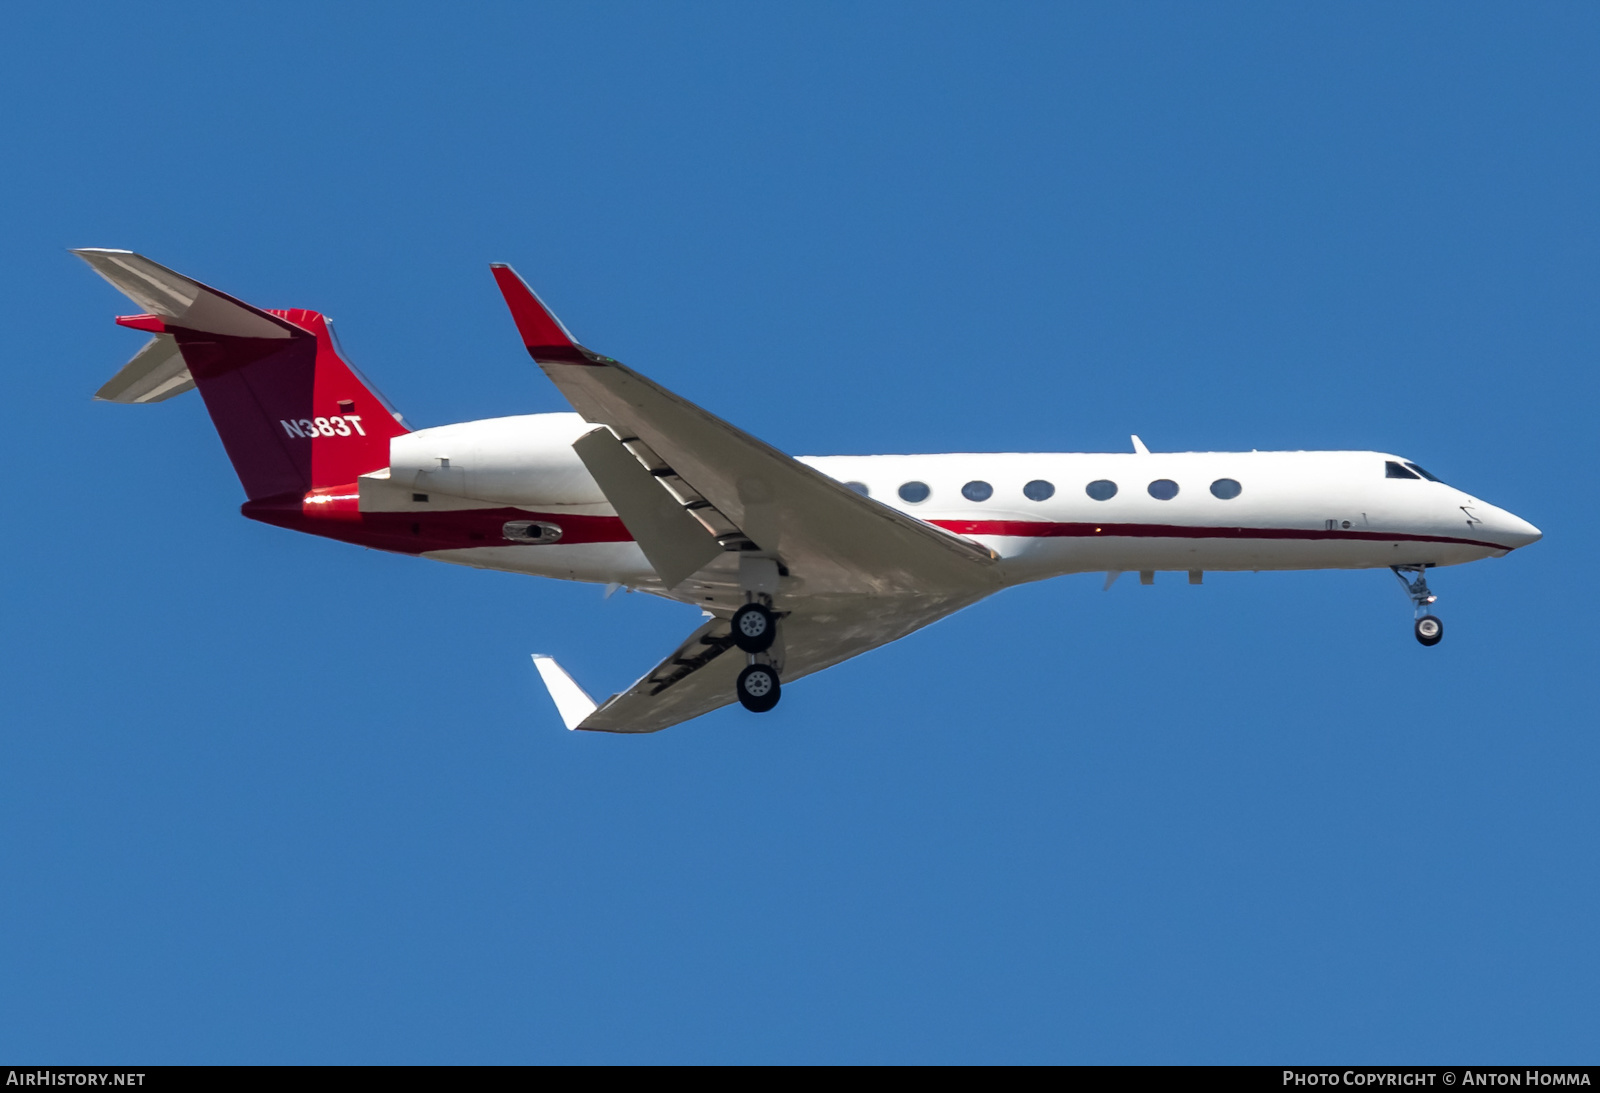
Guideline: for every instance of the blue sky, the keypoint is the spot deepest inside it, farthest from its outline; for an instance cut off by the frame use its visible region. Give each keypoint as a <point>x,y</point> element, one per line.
<point>268,798</point>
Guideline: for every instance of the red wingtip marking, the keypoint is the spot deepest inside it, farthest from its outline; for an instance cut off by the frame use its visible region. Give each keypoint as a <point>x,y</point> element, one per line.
<point>538,327</point>
<point>153,323</point>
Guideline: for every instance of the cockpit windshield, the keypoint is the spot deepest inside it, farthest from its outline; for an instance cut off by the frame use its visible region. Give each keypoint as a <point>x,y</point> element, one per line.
<point>1391,469</point>
<point>1424,473</point>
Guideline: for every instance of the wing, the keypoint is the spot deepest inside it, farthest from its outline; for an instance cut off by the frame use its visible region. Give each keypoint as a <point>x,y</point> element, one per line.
<point>699,675</point>
<point>860,573</point>
<point>829,537</point>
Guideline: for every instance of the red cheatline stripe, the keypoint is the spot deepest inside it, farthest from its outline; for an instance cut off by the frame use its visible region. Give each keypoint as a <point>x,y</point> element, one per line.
<point>1042,529</point>
<point>418,532</point>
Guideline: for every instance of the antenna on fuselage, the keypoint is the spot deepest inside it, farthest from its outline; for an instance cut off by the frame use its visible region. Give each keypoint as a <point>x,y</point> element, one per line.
<point>1138,446</point>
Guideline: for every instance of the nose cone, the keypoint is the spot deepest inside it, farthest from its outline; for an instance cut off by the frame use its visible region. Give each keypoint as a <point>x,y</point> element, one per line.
<point>1514,531</point>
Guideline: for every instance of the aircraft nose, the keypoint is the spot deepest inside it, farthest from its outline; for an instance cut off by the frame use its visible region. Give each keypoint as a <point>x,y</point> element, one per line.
<point>1515,531</point>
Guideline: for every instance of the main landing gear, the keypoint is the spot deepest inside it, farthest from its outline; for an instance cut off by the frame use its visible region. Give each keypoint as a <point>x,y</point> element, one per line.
<point>758,688</point>
<point>755,628</point>
<point>1429,628</point>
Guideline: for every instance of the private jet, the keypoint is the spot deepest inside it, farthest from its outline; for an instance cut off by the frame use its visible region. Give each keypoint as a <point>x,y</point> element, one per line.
<point>796,563</point>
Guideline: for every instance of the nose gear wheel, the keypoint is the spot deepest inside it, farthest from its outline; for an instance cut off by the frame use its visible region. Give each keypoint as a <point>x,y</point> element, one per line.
<point>1429,629</point>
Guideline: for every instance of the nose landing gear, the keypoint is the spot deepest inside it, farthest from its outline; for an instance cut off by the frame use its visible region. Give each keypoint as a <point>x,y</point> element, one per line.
<point>1428,629</point>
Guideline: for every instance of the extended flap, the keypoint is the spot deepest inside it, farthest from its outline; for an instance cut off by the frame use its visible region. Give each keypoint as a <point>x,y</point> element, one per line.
<point>676,544</point>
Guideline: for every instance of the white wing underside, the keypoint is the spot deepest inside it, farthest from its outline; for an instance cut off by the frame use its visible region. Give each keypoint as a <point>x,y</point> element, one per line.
<point>699,675</point>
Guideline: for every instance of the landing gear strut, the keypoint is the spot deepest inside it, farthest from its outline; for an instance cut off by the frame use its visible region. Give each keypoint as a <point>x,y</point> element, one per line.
<point>1428,629</point>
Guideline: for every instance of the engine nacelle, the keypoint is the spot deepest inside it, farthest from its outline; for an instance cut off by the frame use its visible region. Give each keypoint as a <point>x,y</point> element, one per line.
<point>526,460</point>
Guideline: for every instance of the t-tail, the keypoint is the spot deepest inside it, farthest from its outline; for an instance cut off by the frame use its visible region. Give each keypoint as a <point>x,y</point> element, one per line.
<point>293,414</point>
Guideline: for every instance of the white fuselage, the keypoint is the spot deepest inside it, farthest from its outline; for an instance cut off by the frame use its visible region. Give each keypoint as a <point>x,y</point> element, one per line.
<point>1291,510</point>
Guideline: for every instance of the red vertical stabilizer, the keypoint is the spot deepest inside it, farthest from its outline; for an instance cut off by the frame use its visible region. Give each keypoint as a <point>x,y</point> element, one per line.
<point>292,413</point>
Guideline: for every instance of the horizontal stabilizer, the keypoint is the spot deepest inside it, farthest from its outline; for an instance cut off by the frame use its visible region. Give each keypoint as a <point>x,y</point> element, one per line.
<point>572,702</point>
<point>180,301</point>
<point>157,372</point>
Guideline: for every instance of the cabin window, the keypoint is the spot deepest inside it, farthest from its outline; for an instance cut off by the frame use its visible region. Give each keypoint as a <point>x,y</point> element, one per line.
<point>1391,469</point>
<point>1226,489</point>
<point>1163,489</point>
<point>859,487</point>
<point>1422,472</point>
<point>914,493</point>
<point>1038,490</point>
<point>977,491</point>
<point>1101,489</point>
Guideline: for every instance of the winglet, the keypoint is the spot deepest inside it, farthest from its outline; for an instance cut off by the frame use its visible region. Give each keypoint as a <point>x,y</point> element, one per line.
<point>572,702</point>
<point>542,332</point>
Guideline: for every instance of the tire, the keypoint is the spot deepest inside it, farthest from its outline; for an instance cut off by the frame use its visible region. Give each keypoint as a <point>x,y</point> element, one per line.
<point>754,628</point>
<point>758,688</point>
<point>1429,630</point>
